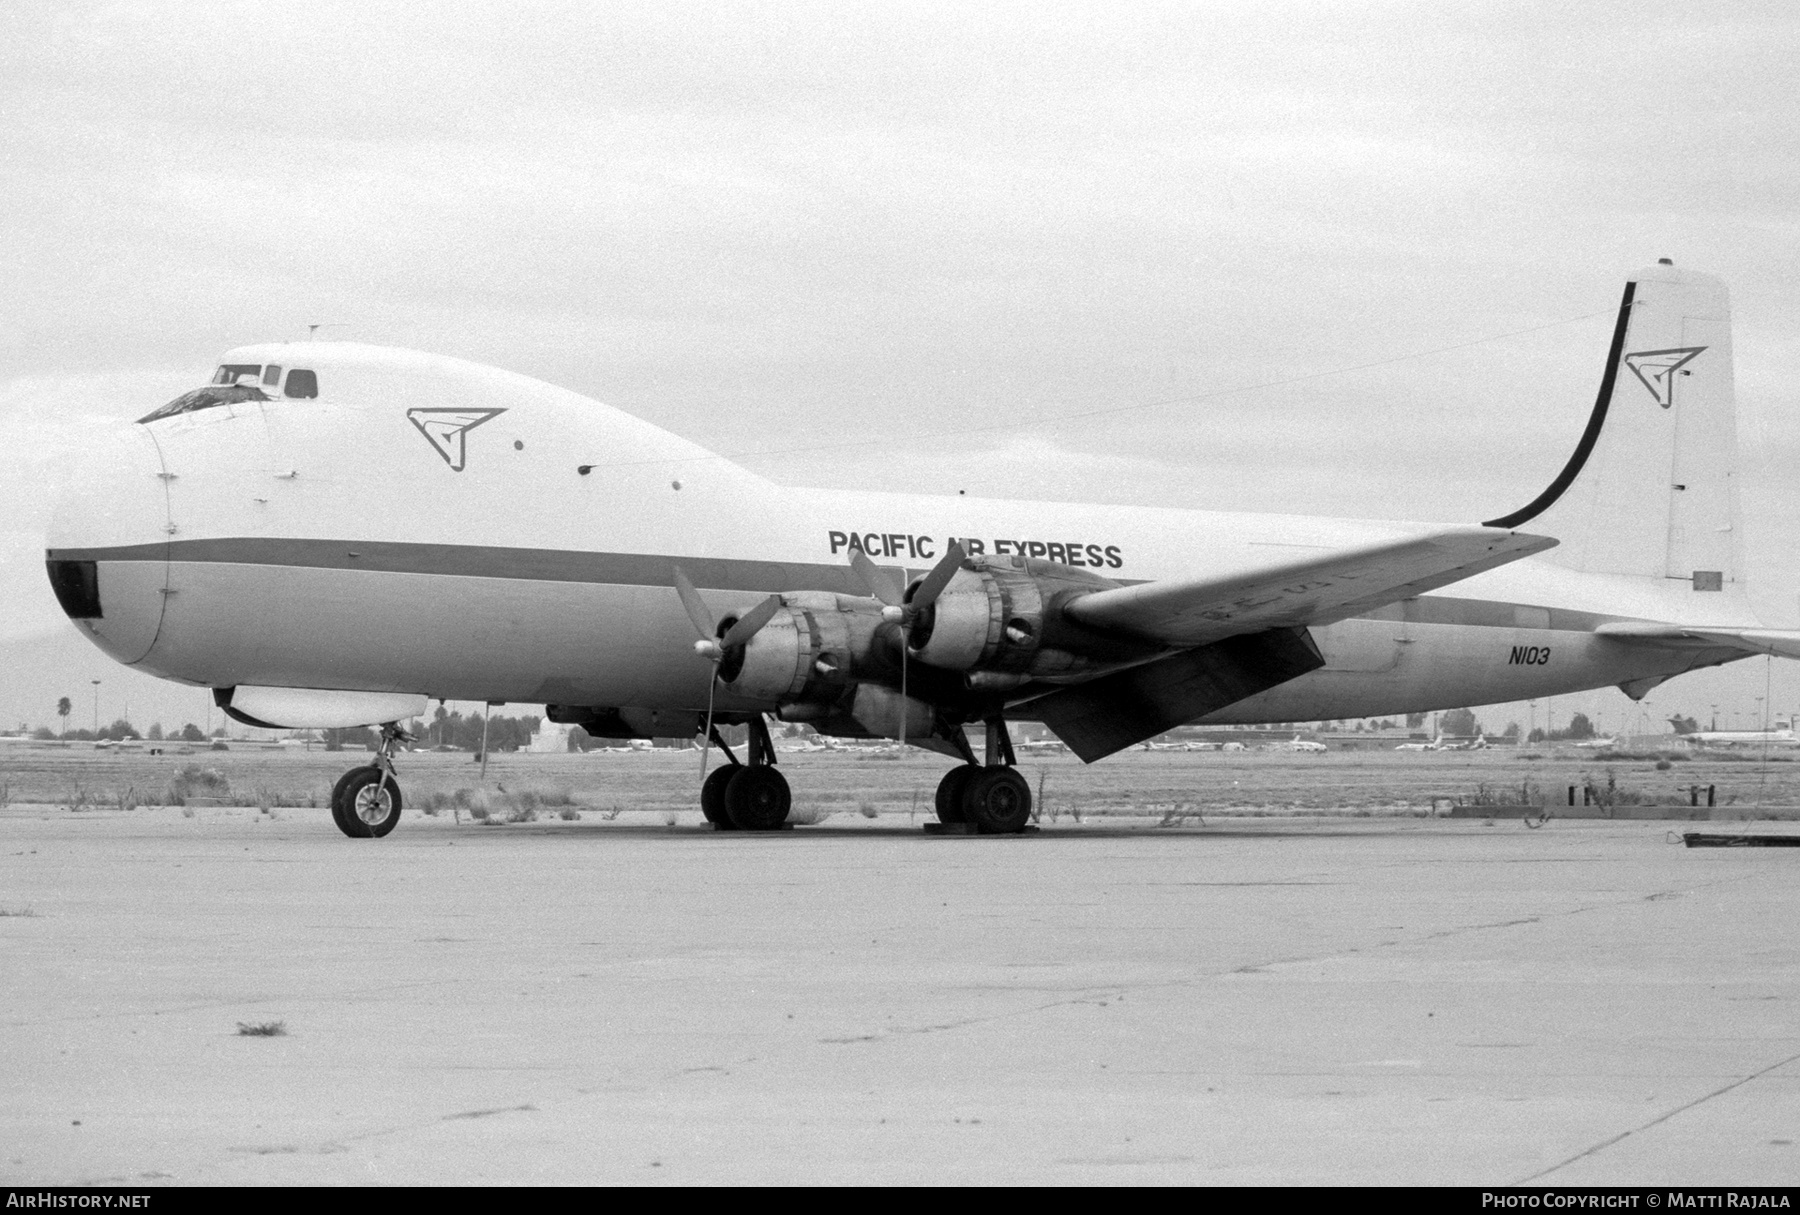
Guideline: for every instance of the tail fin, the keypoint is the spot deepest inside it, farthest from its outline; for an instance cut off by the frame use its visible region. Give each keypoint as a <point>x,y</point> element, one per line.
<point>1652,489</point>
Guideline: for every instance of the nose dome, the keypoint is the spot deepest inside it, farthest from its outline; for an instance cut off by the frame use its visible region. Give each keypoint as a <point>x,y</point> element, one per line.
<point>108,555</point>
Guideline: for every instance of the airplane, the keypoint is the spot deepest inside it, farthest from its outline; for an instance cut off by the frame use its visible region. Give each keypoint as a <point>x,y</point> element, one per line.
<point>330,534</point>
<point>1304,746</point>
<point>1598,744</point>
<point>1782,736</point>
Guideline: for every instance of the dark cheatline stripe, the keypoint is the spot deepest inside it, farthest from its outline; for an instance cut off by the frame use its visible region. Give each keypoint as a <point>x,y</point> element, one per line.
<point>640,569</point>
<point>1589,437</point>
<point>481,561</point>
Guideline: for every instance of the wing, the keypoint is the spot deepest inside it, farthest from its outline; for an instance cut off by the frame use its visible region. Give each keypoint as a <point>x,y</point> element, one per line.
<point>1316,589</point>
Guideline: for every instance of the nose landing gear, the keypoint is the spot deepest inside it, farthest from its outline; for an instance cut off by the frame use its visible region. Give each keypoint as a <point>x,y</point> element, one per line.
<point>365,802</point>
<point>993,799</point>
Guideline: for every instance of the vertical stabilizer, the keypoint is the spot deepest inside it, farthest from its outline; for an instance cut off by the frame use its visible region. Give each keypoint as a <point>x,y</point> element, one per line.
<point>1652,489</point>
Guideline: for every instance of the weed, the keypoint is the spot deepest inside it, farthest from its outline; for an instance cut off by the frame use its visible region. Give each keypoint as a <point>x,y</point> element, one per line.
<point>127,798</point>
<point>569,814</point>
<point>187,812</point>
<point>1526,793</point>
<point>5,793</point>
<point>671,818</point>
<point>480,813</point>
<point>78,798</point>
<point>867,810</point>
<point>490,820</point>
<point>23,913</point>
<point>521,814</point>
<point>195,781</point>
<point>262,1029</point>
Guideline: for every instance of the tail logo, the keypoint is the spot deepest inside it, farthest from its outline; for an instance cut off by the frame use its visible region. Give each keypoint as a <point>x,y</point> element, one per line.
<point>447,430</point>
<point>1655,370</point>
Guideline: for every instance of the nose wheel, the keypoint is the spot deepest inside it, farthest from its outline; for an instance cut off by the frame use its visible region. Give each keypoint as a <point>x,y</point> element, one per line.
<point>366,801</point>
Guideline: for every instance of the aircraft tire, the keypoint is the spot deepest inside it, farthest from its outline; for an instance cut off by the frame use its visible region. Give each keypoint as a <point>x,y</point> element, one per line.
<point>757,798</point>
<point>354,830</point>
<point>359,783</point>
<point>950,793</point>
<point>997,801</point>
<point>712,797</point>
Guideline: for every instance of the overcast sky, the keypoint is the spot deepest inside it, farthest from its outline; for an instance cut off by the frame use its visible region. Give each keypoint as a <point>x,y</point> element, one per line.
<point>903,244</point>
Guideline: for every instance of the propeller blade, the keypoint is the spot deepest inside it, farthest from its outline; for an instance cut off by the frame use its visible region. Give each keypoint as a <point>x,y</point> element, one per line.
<point>712,686</point>
<point>751,622</point>
<point>696,606</point>
<point>933,584</point>
<point>874,578</point>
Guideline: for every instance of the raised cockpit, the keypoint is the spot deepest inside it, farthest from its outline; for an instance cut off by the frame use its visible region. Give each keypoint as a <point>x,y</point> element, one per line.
<point>234,383</point>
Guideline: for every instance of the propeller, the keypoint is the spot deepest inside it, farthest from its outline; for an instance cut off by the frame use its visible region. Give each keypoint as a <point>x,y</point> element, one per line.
<point>715,645</point>
<point>898,609</point>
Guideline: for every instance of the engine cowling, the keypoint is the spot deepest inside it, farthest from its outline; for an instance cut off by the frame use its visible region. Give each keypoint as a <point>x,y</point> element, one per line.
<point>809,651</point>
<point>1002,615</point>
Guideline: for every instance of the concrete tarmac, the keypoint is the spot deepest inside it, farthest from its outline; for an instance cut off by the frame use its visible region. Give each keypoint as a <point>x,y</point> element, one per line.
<point>1250,1002</point>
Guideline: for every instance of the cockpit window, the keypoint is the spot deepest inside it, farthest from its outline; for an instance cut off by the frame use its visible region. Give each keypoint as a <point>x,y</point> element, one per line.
<point>229,372</point>
<point>272,374</point>
<point>301,384</point>
<point>206,398</point>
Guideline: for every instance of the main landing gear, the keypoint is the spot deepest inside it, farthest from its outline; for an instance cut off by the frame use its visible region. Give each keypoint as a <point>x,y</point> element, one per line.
<point>365,803</point>
<point>749,796</point>
<point>992,798</point>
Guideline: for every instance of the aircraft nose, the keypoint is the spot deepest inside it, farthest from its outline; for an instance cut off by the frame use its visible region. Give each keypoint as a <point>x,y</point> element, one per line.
<point>108,554</point>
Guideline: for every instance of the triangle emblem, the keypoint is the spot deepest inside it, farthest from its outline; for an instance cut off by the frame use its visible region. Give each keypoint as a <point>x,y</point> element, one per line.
<point>447,430</point>
<point>1655,370</point>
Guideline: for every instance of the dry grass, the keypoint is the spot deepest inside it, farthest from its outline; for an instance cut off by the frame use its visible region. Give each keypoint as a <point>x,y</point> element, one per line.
<point>262,1029</point>
<point>605,785</point>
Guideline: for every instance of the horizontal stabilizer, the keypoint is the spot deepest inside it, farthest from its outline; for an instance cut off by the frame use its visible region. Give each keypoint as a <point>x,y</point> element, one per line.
<point>1316,589</point>
<point>1783,643</point>
<point>1121,710</point>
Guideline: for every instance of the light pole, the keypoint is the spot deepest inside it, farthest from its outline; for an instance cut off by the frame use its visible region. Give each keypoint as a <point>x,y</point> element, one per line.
<point>96,684</point>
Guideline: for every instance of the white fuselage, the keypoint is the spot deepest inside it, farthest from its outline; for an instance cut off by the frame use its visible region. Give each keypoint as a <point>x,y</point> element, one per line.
<point>334,543</point>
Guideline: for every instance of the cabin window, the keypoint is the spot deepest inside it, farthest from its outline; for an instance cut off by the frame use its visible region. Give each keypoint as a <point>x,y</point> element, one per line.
<point>302,384</point>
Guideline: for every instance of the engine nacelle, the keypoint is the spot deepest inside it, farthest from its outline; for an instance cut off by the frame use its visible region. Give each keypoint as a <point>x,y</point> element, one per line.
<point>809,651</point>
<point>1003,615</point>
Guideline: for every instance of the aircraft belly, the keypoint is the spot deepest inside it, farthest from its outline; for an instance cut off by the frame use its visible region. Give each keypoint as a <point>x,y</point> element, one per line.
<point>458,637</point>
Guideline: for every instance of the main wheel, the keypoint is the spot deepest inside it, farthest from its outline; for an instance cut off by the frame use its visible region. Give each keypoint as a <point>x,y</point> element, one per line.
<point>369,805</point>
<point>757,798</point>
<point>337,801</point>
<point>712,797</point>
<point>997,801</point>
<point>950,793</point>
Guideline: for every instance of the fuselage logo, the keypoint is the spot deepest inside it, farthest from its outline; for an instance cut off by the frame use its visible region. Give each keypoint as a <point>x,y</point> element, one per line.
<point>447,430</point>
<point>1656,370</point>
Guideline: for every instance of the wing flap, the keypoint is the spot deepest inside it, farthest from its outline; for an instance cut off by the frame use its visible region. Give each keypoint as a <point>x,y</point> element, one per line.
<point>1123,709</point>
<point>1316,589</point>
